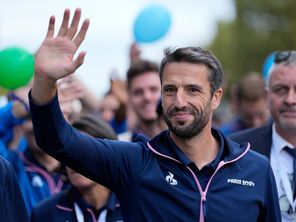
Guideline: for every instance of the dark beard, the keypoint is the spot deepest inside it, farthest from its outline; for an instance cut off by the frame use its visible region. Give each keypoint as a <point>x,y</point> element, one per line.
<point>192,129</point>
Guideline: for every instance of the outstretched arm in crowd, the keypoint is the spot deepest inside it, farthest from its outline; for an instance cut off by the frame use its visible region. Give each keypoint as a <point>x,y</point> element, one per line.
<point>54,60</point>
<point>55,57</point>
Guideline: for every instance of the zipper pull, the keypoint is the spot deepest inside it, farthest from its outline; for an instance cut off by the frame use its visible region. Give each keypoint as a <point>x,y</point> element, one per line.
<point>204,207</point>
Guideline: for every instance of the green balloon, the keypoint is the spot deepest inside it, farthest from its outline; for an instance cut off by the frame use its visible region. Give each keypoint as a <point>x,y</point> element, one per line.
<point>16,67</point>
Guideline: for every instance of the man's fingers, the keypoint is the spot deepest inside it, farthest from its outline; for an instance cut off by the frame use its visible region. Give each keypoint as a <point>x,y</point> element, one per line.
<point>65,23</point>
<point>74,25</point>
<point>77,62</point>
<point>50,30</point>
<point>81,35</point>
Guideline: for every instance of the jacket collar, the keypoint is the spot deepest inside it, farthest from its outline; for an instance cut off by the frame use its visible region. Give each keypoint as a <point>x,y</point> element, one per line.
<point>163,144</point>
<point>266,132</point>
<point>71,195</point>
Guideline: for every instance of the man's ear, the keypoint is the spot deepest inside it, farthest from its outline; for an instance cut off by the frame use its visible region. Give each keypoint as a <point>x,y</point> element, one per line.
<point>216,99</point>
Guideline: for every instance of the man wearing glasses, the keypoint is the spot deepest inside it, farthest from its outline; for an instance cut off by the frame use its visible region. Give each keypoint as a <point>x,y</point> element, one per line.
<point>277,140</point>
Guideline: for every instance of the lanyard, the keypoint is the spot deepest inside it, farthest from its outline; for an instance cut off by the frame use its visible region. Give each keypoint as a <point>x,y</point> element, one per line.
<point>80,218</point>
<point>284,178</point>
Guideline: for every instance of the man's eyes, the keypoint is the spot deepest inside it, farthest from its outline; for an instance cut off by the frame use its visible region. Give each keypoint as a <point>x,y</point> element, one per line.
<point>192,90</point>
<point>280,90</point>
<point>169,89</point>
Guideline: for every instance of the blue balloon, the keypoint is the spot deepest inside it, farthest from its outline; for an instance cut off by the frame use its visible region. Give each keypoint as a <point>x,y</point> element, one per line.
<point>151,24</point>
<point>268,62</point>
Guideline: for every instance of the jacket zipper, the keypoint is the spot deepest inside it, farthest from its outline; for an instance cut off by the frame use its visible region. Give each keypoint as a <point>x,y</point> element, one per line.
<point>203,194</point>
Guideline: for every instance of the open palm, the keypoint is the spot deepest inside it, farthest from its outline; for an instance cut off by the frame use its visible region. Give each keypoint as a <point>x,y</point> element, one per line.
<point>55,57</point>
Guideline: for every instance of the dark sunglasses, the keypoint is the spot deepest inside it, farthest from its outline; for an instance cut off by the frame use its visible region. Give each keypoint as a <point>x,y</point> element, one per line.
<point>283,56</point>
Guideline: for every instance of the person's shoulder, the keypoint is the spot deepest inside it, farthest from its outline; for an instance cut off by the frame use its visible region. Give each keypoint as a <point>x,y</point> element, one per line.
<point>244,149</point>
<point>257,156</point>
<point>257,161</point>
<point>260,138</point>
<point>5,168</point>
<point>4,164</point>
<point>47,209</point>
<point>50,202</point>
<point>231,126</point>
<point>11,198</point>
<point>250,133</point>
<point>6,174</point>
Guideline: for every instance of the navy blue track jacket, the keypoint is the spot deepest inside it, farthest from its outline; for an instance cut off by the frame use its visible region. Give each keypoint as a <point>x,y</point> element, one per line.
<point>154,182</point>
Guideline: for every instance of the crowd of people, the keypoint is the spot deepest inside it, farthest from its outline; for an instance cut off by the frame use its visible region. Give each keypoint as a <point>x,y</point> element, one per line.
<point>150,149</point>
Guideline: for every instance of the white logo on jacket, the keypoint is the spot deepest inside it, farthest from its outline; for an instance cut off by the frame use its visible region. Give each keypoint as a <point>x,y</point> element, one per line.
<point>170,179</point>
<point>37,181</point>
<point>241,182</point>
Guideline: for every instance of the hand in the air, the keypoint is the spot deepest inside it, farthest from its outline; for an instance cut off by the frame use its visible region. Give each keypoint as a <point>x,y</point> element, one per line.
<point>55,57</point>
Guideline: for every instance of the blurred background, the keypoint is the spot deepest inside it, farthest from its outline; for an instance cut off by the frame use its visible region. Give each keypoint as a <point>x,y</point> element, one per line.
<point>123,35</point>
<point>193,22</point>
<point>241,33</point>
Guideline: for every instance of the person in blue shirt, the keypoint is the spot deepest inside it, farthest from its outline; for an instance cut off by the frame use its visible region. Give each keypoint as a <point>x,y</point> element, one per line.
<point>13,115</point>
<point>190,172</point>
<point>85,200</point>
<point>38,174</point>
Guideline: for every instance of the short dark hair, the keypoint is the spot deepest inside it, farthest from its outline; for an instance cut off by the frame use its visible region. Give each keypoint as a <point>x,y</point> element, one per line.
<point>251,87</point>
<point>195,55</point>
<point>139,68</point>
<point>95,127</point>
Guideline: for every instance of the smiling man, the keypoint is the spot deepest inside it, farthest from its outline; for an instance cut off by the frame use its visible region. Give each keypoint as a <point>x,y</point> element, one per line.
<point>190,172</point>
<point>144,92</point>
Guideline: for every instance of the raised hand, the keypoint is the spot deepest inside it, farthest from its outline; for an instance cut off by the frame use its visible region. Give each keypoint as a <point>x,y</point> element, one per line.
<point>55,57</point>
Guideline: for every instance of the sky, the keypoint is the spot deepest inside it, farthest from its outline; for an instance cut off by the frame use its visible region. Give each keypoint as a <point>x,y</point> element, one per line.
<point>194,23</point>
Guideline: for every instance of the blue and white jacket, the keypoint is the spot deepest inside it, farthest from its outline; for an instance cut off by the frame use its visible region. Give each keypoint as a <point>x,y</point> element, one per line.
<point>35,181</point>
<point>154,181</point>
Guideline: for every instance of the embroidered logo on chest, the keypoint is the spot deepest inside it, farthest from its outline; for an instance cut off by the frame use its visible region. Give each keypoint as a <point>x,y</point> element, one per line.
<point>170,179</point>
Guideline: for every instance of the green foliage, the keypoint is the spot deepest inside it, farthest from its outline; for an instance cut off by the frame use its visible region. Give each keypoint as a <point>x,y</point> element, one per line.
<point>260,28</point>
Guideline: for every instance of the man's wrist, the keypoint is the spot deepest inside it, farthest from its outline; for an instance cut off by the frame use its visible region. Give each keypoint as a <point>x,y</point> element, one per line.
<point>43,89</point>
